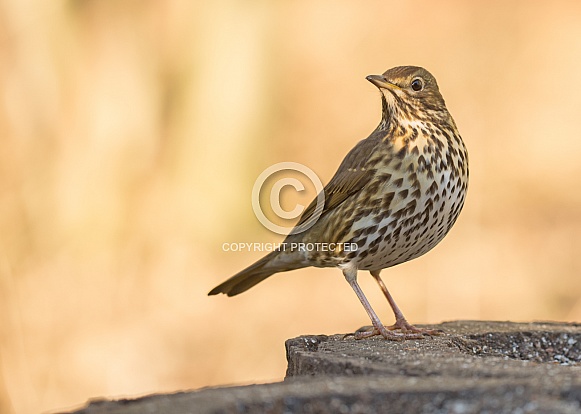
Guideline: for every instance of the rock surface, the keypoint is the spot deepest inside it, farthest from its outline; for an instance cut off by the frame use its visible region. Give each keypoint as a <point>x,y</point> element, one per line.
<point>475,367</point>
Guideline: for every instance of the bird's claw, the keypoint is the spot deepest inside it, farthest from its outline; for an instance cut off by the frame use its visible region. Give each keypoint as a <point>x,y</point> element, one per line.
<point>406,331</point>
<point>405,327</point>
<point>369,331</point>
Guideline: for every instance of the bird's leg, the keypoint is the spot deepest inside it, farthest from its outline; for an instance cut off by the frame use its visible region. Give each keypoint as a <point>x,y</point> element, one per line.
<point>378,328</point>
<point>400,320</point>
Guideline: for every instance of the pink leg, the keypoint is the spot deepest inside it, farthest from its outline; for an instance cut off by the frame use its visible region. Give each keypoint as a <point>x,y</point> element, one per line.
<point>378,328</point>
<point>400,320</point>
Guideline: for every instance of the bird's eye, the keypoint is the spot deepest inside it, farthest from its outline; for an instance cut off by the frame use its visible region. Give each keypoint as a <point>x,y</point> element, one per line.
<point>417,84</point>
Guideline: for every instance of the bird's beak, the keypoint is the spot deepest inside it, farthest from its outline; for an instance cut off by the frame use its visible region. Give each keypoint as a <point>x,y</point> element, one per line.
<point>381,82</point>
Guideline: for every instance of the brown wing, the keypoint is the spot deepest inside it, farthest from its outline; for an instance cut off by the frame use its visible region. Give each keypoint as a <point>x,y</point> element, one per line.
<point>351,177</point>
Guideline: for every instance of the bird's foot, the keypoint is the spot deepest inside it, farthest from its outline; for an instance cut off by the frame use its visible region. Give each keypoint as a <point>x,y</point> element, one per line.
<point>406,331</point>
<point>406,328</point>
<point>369,331</point>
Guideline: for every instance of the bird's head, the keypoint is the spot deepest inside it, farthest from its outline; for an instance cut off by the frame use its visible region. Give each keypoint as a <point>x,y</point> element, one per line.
<point>409,90</point>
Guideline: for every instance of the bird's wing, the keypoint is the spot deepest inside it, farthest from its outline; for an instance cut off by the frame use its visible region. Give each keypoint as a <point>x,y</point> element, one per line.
<point>351,177</point>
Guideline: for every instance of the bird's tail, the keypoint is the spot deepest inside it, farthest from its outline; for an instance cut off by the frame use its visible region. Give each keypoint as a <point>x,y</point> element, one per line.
<point>253,274</point>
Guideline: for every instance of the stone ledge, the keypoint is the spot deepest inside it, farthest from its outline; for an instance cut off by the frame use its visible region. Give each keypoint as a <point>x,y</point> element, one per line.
<point>474,367</point>
<point>467,349</point>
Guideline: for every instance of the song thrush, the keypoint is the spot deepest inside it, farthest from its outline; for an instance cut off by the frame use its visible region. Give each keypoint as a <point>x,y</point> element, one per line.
<point>396,195</point>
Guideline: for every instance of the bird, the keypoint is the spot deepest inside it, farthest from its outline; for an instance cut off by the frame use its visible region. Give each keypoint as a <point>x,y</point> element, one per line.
<point>394,197</point>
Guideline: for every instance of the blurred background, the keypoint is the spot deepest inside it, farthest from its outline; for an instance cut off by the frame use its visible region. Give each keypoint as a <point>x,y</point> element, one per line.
<point>131,134</point>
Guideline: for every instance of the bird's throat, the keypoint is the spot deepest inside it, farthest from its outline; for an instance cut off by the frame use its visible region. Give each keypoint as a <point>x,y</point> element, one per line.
<point>386,112</point>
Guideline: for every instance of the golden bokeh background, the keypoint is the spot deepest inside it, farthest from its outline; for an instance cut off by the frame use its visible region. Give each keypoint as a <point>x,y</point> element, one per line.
<point>132,133</point>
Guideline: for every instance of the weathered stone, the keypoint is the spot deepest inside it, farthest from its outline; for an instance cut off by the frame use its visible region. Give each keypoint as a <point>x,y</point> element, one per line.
<point>475,367</point>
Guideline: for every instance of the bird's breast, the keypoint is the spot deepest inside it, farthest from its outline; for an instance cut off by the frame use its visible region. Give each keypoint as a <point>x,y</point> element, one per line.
<point>410,204</point>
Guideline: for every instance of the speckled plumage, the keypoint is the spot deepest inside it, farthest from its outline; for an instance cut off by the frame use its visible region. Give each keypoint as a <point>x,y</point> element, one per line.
<point>395,195</point>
